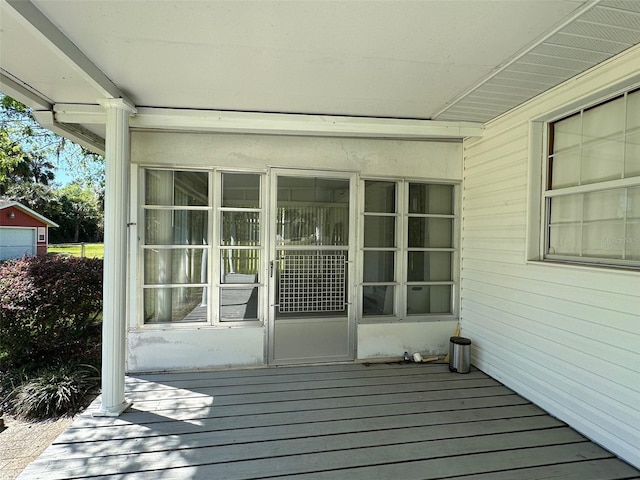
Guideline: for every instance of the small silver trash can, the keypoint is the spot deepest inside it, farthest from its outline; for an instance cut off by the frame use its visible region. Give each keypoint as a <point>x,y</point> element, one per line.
<point>459,354</point>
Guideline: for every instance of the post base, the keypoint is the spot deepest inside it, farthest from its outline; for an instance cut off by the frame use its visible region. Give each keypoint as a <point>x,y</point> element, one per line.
<point>112,411</point>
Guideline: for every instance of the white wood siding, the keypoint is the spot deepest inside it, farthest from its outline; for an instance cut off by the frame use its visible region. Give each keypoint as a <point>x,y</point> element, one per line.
<point>566,337</point>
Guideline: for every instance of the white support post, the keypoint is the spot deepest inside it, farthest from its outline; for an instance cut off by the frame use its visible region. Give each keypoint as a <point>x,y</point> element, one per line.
<point>117,149</point>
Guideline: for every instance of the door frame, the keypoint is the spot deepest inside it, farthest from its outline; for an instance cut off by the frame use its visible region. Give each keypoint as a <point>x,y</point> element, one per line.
<point>271,249</point>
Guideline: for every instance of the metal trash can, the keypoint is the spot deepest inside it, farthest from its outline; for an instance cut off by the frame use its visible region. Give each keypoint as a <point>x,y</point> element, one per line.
<point>459,354</point>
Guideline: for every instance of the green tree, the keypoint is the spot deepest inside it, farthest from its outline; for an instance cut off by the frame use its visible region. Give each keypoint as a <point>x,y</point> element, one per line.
<point>81,213</point>
<point>30,153</point>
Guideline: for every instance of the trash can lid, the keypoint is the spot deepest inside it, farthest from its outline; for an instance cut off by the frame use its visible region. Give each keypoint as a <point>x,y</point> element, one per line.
<point>460,340</point>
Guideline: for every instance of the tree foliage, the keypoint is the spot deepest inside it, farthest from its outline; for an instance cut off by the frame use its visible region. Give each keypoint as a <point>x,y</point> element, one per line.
<point>30,153</point>
<point>29,157</point>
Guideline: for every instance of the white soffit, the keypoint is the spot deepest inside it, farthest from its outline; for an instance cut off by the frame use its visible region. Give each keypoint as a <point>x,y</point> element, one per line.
<point>386,59</point>
<point>443,60</point>
<point>597,34</point>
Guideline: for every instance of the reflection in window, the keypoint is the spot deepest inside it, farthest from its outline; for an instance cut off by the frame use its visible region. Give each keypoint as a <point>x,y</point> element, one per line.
<point>408,249</point>
<point>175,246</point>
<point>593,179</point>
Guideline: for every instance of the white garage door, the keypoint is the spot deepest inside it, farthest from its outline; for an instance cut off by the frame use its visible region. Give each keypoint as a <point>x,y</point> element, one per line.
<point>15,242</point>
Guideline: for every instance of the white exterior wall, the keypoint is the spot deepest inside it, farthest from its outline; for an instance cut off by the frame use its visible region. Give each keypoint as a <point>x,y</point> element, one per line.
<point>167,347</point>
<point>566,337</point>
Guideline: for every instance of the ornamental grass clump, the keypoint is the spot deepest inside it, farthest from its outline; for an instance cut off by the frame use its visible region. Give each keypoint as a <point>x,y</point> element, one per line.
<point>54,391</point>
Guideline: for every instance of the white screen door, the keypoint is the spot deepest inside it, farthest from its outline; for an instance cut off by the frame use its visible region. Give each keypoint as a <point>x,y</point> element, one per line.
<point>312,238</point>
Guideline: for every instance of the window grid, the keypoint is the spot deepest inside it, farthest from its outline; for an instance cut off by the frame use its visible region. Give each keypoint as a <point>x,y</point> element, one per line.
<point>615,247</point>
<point>375,293</point>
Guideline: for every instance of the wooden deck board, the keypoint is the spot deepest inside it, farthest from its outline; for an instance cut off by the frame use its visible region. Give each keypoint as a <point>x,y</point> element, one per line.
<point>345,421</point>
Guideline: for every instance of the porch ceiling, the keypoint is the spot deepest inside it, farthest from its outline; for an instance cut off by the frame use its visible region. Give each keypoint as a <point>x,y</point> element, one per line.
<point>429,60</point>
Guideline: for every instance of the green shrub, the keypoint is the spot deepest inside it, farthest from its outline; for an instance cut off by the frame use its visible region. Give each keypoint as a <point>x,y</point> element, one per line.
<point>53,392</point>
<point>50,309</point>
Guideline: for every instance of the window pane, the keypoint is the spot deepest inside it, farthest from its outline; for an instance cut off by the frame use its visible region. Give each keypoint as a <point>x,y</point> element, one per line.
<point>603,239</point>
<point>240,228</point>
<point>633,203</point>
<point>163,266</point>
<point>313,190</point>
<point>565,169</point>
<point>428,266</point>
<point>423,299</point>
<point>241,190</point>
<point>380,197</point>
<point>602,161</point>
<point>177,304</point>
<point>238,304</point>
<point>239,266</point>
<point>379,266</point>
<point>313,225</point>
<point>564,239</point>
<point>632,155</point>
<point>175,227</point>
<point>312,211</point>
<point>632,240</point>
<point>431,199</point>
<point>379,231</point>
<point>603,121</point>
<point>430,232</point>
<point>377,300</point>
<point>565,229</point>
<point>567,208</point>
<point>167,187</point>
<point>604,205</point>
<point>567,133</point>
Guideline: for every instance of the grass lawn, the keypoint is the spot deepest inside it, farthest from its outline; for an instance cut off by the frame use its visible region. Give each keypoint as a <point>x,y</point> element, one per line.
<point>91,250</point>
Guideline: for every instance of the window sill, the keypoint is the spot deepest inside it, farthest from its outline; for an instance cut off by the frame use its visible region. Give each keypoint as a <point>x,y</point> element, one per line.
<point>622,269</point>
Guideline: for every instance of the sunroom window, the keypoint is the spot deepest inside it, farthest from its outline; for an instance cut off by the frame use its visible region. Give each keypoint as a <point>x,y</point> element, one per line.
<point>240,247</point>
<point>592,195</point>
<point>408,250</point>
<point>175,246</point>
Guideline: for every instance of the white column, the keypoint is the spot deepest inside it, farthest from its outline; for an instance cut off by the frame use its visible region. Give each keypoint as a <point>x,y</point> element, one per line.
<point>116,210</point>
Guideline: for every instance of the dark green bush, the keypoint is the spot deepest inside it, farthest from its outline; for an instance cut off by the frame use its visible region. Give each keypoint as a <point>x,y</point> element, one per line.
<point>50,309</point>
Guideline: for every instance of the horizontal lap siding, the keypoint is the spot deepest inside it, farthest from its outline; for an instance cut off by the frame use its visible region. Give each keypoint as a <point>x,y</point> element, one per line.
<point>567,338</point>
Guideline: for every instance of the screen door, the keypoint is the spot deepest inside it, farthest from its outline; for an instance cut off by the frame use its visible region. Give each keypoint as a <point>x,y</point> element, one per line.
<point>310,274</point>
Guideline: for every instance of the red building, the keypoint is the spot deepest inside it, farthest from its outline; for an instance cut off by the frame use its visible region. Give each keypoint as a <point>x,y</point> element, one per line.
<point>22,231</point>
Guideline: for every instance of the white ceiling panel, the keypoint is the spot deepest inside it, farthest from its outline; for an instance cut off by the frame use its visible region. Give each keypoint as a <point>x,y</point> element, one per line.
<point>464,60</point>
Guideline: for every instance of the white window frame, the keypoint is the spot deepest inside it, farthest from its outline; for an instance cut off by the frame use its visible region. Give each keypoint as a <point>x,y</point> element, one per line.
<point>540,147</point>
<point>142,246</point>
<point>214,248</point>
<point>401,284</point>
<point>215,264</point>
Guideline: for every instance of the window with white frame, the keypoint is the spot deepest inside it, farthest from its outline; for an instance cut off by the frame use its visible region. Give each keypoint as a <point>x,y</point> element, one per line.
<point>592,192</point>
<point>408,249</point>
<point>175,246</point>
<point>183,211</point>
<point>241,247</point>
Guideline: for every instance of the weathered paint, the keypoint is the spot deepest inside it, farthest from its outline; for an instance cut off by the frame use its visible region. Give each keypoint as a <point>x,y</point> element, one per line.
<point>396,158</point>
<point>392,340</point>
<point>192,348</point>
<point>171,347</point>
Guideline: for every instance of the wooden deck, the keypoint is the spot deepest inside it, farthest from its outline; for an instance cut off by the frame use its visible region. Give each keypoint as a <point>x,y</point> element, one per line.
<point>346,421</point>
